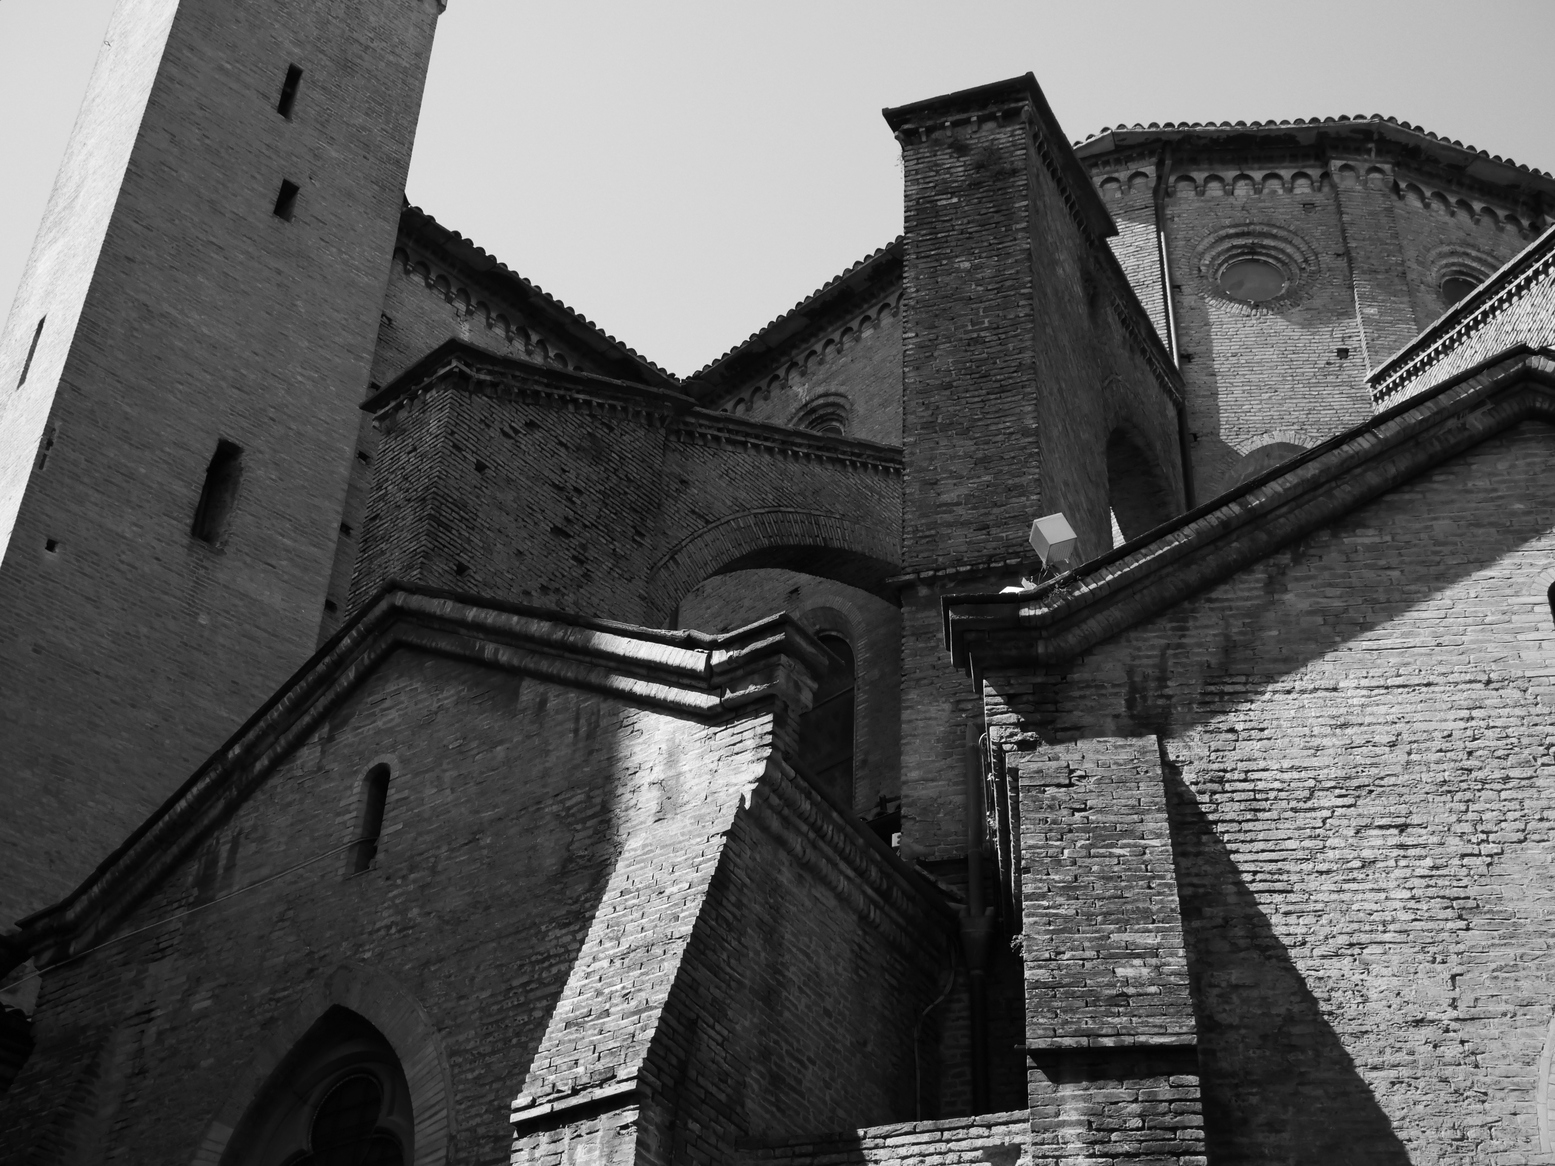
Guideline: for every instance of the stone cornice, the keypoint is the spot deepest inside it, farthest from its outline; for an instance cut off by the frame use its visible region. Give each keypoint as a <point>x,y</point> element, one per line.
<point>687,673</point>
<point>464,368</point>
<point>1142,578</point>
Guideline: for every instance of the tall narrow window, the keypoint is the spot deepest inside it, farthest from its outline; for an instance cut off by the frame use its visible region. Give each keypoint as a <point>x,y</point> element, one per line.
<point>826,732</point>
<point>31,348</point>
<point>286,201</point>
<point>289,92</point>
<point>375,795</point>
<point>219,494</point>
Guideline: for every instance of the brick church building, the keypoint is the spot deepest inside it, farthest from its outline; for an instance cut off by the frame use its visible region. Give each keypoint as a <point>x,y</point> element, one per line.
<point>430,732</point>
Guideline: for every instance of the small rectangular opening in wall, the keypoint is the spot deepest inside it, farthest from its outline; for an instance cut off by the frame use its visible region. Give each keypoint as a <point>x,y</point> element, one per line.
<point>31,348</point>
<point>286,201</point>
<point>289,92</point>
<point>219,494</point>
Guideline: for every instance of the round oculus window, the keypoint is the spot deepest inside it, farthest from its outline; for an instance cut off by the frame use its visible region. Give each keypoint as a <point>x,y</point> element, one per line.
<point>1455,287</point>
<point>1252,280</point>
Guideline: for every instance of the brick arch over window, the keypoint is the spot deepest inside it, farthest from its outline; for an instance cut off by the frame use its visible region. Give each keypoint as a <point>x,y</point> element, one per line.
<point>393,1012</point>
<point>831,546</point>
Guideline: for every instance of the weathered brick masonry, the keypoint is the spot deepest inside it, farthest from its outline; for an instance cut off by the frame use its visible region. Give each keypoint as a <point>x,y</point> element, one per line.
<point>598,887</point>
<point>179,311</point>
<point>1365,217</point>
<point>1357,778</point>
<point>541,486</point>
<point>1237,848</point>
<point>1025,354</point>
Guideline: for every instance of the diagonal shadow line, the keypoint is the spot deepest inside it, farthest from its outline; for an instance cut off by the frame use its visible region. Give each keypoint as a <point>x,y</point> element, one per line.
<point>1278,1083</point>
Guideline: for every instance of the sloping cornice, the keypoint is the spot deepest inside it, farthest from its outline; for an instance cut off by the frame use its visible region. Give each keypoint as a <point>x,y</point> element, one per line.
<point>1461,323</point>
<point>422,230</point>
<point>843,295</point>
<point>1142,578</point>
<point>685,672</point>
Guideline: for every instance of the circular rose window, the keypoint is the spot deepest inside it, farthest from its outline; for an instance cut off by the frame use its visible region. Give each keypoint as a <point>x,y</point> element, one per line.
<point>1252,280</point>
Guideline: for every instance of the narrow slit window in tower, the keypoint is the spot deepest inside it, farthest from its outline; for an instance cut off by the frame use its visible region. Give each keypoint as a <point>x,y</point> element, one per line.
<point>219,493</point>
<point>375,795</point>
<point>289,92</point>
<point>286,201</point>
<point>31,348</point>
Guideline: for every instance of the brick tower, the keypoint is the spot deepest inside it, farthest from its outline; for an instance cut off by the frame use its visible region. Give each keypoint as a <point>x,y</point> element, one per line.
<point>179,382</point>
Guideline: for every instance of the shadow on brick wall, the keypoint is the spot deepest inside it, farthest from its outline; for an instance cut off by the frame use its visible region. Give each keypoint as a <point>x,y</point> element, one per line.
<point>1278,1084</point>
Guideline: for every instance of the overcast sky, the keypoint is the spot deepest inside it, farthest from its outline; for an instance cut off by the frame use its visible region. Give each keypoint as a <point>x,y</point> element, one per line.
<point>682,172</point>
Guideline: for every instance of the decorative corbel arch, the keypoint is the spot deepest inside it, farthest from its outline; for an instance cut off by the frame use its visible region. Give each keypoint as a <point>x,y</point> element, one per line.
<point>394,1012</point>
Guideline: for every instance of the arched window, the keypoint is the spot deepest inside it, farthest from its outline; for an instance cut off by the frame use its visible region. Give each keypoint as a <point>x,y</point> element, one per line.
<point>375,795</point>
<point>338,1099</point>
<point>828,416</point>
<point>826,732</point>
<point>1136,494</point>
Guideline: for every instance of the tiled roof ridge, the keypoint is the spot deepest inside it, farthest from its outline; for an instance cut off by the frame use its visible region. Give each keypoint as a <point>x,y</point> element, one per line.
<point>877,253</point>
<point>547,297</point>
<point>1341,119</point>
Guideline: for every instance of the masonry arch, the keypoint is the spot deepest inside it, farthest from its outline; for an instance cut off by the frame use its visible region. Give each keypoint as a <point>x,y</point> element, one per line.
<point>376,1000</point>
<point>846,549</point>
<point>1137,490</point>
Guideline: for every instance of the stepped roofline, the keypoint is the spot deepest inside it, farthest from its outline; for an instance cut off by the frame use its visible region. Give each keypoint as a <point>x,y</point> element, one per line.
<point>1207,545</point>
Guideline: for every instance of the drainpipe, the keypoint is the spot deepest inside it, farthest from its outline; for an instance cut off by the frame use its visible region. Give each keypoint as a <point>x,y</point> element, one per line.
<point>1163,165</point>
<point>977,924</point>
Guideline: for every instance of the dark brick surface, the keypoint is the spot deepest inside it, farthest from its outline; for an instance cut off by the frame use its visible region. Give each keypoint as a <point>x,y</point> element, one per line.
<point>575,890</point>
<point>132,649</point>
<point>590,496</point>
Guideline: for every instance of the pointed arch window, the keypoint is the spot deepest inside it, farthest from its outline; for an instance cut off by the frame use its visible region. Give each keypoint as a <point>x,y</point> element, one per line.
<point>338,1099</point>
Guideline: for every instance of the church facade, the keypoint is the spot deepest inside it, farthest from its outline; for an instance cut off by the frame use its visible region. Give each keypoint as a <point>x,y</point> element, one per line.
<point>435,733</point>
